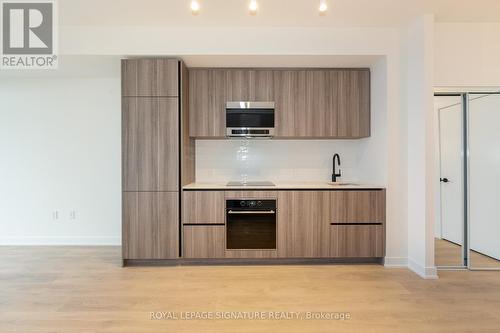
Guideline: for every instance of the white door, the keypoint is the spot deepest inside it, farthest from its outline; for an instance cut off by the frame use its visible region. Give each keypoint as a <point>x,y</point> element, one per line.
<point>451,176</point>
<point>484,176</point>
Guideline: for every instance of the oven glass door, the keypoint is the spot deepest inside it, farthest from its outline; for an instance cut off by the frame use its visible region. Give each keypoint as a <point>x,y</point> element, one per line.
<point>250,230</point>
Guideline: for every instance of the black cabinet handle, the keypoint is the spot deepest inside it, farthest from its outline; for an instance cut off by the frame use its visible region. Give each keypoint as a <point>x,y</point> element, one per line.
<point>444,180</point>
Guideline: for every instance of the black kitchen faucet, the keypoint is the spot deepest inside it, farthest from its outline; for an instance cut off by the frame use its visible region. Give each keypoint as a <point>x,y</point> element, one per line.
<point>336,175</point>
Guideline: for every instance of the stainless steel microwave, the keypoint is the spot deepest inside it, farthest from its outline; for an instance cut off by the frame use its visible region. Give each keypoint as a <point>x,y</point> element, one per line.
<point>250,119</point>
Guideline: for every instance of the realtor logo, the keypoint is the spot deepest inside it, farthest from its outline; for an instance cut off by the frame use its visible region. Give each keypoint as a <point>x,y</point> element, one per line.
<point>28,34</point>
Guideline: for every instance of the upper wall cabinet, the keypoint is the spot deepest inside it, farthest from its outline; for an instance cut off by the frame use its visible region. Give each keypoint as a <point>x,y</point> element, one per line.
<point>322,103</point>
<point>315,103</point>
<point>150,78</point>
<point>207,95</point>
<point>210,89</point>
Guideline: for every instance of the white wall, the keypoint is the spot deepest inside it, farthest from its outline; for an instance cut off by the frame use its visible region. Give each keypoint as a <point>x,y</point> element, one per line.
<point>373,152</point>
<point>60,150</point>
<point>466,55</point>
<point>421,147</point>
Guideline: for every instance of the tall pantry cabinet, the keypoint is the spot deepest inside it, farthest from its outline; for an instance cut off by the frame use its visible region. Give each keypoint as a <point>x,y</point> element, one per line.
<point>154,165</point>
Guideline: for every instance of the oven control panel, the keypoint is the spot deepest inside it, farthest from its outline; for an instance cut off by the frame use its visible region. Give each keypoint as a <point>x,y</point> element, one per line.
<point>250,204</point>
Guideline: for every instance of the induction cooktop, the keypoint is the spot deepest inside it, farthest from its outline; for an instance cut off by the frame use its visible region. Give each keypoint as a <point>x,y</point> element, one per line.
<point>253,183</point>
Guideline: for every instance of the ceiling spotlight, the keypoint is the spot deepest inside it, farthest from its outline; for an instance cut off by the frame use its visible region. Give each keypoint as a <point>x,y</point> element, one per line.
<point>322,7</point>
<point>253,6</point>
<point>195,7</point>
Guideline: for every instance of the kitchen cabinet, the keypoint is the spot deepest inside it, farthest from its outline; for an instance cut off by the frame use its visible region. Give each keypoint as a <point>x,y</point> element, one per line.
<point>210,89</point>
<point>154,114</point>
<point>203,207</point>
<point>207,100</point>
<point>203,241</point>
<point>261,86</point>
<point>150,144</point>
<point>150,227</point>
<point>357,224</point>
<point>310,223</point>
<point>352,101</point>
<point>303,224</point>
<point>237,84</point>
<point>355,207</point>
<point>249,85</point>
<point>284,99</point>
<point>309,103</point>
<point>150,77</point>
<point>323,103</point>
<point>361,241</point>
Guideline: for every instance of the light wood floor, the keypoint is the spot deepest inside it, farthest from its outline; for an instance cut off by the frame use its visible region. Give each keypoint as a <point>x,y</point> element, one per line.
<point>84,289</point>
<point>450,254</point>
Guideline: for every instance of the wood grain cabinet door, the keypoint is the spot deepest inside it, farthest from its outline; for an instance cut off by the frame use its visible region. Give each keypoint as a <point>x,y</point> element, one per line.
<point>353,103</point>
<point>284,98</point>
<point>207,98</point>
<point>356,207</point>
<point>261,86</point>
<point>238,84</point>
<point>361,241</point>
<point>357,224</point>
<point>150,144</point>
<point>150,225</point>
<point>313,107</point>
<point>150,77</point>
<point>202,207</point>
<point>303,224</point>
<point>322,103</point>
<point>304,106</point>
<point>203,241</point>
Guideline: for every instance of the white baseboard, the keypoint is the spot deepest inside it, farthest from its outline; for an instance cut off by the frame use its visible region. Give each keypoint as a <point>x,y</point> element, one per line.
<point>115,241</point>
<point>423,272</point>
<point>396,262</point>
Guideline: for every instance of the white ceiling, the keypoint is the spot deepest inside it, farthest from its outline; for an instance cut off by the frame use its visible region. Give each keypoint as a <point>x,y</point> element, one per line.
<point>272,12</point>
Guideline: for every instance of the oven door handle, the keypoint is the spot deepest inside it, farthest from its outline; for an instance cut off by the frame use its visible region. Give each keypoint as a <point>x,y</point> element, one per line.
<point>251,212</point>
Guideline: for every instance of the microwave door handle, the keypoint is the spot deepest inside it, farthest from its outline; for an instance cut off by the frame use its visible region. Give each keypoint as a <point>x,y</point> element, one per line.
<point>252,212</point>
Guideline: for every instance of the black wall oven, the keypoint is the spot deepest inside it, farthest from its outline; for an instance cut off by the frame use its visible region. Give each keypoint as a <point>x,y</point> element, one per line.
<point>251,224</point>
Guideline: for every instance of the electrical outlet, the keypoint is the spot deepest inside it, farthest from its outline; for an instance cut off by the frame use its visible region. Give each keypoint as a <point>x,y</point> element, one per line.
<point>55,215</point>
<point>72,215</point>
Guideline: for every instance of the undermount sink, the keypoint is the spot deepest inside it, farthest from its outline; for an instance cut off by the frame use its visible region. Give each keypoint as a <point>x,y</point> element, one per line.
<point>341,184</point>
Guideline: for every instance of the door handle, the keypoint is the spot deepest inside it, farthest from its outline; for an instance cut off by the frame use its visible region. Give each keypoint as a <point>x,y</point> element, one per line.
<point>444,180</point>
<point>252,212</point>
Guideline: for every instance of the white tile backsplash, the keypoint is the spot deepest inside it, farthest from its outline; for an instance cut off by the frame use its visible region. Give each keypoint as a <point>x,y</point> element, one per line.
<point>275,160</point>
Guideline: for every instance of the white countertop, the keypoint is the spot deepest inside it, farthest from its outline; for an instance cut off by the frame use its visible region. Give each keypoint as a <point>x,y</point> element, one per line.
<point>284,186</point>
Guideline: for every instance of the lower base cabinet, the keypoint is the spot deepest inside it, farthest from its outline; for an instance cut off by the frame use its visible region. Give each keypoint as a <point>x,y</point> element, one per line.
<point>150,225</point>
<point>203,241</point>
<point>310,224</point>
<point>303,220</point>
<point>362,241</point>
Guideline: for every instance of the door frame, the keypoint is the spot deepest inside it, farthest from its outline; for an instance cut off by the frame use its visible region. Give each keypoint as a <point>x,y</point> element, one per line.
<point>464,162</point>
<point>466,251</point>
